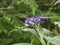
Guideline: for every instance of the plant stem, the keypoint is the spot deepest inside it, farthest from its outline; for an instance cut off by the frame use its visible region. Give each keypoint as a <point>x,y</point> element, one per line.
<point>48,43</point>
<point>42,41</point>
<point>40,32</point>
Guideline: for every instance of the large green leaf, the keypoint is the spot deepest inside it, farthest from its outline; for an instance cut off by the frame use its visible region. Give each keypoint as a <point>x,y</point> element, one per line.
<point>30,30</point>
<point>5,41</point>
<point>53,40</point>
<point>46,31</point>
<point>22,44</point>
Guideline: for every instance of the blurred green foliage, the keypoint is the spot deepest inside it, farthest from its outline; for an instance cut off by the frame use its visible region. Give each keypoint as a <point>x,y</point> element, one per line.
<point>14,12</point>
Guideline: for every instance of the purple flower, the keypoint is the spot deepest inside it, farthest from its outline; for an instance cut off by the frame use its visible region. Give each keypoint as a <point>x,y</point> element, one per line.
<point>26,24</point>
<point>29,21</point>
<point>37,19</point>
<point>33,20</point>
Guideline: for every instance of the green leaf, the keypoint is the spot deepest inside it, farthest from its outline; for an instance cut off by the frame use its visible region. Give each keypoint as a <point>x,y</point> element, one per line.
<point>57,2</point>
<point>32,4</point>
<point>15,35</point>
<point>57,23</point>
<point>17,22</point>
<point>5,41</point>
<point>7,26</point>
<point>30,30</point>
<point>7,17</point>
<point>22,44</point>
<point>46,31</point>
<point>53,40</point>
<point>55,18</point>
<point>2,27</point>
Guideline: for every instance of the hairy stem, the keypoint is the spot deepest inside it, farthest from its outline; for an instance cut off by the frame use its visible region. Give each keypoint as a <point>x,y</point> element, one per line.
<point>41,34</point>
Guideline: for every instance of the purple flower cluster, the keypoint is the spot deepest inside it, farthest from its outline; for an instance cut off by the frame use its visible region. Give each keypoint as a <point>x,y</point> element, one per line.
<point>33,20</point>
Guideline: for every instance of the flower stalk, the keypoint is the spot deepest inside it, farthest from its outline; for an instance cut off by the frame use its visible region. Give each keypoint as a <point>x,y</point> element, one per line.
<point>41,34</point>
<point>35,22</point>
